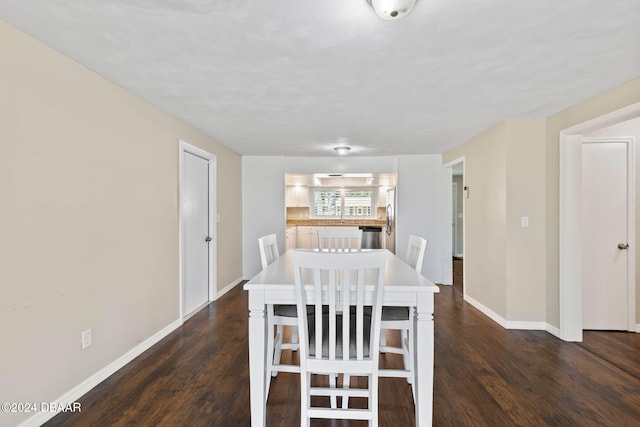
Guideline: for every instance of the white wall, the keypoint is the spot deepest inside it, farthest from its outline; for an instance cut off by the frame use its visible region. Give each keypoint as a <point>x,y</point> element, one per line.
<point>263,209</point>
<point>341,164</point>
<point>421,210</point>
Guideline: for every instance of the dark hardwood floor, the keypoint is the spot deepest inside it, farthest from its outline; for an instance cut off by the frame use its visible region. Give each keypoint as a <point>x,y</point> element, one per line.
<point>484,376</point>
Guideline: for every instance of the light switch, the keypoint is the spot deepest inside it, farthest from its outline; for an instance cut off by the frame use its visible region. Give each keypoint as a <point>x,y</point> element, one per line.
<point>524,221</point>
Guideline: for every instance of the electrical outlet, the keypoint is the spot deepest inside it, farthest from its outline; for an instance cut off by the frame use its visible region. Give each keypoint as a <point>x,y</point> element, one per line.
<point>86,338</point>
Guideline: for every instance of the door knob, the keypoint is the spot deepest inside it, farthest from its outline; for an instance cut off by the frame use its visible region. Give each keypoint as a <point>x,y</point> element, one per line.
<point>208,239</point>
<point>623,246</point>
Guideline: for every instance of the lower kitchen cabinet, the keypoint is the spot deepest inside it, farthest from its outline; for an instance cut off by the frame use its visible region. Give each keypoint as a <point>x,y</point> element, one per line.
<point>291,238</point>
<point>307,237</point>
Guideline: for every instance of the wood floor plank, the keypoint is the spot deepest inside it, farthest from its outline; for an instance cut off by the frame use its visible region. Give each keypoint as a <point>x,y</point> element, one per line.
<point>484,375</point>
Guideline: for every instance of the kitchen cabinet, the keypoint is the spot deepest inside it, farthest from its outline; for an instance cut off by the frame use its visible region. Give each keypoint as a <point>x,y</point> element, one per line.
<point>297,197</point>
<point>291,238</point>
<point>307,237</point>
<point>338,227</point>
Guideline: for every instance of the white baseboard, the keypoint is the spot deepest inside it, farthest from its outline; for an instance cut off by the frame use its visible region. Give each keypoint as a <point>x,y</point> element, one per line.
<point>512,324</point>
<point>227,288</point>
<point>553,330</point>
<point>84,387</point>
<point>486,311</point>
<point>527,326</point>
<point>556,331</point>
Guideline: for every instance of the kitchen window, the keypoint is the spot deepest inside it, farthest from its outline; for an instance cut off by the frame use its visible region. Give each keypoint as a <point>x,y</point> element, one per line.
<point>341,203</point>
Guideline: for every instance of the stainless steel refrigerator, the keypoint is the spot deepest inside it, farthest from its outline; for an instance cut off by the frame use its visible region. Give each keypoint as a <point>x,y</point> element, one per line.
<point>390,228</point>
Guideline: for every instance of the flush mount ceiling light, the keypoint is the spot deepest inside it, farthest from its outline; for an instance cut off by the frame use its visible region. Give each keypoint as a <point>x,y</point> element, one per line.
<point>343,150</point>
<point>391,9</point>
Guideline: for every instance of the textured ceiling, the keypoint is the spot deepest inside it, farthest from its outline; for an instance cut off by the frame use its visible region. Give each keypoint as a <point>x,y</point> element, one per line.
<point>298,77</point>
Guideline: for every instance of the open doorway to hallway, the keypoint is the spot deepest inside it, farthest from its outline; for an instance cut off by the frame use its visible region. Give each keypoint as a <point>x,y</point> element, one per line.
<point>458,274</point>
<point>458,192</point>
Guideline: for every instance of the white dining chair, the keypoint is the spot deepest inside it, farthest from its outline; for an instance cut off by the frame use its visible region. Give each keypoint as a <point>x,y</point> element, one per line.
<point>278,316</point>
<point>401,318</point>
<point>347,239</point>
<point>332,343</point>
<point>268,249</point>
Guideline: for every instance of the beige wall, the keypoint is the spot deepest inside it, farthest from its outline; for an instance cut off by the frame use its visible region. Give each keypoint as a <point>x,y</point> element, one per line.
<point>485,176</point>
<point>527,170</point>
<point>525,198</point>
<point>88,220</point>
<point>503,269</point>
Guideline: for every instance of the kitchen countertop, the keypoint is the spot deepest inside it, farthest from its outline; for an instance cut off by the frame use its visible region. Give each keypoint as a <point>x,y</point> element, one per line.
<point>337,222</point>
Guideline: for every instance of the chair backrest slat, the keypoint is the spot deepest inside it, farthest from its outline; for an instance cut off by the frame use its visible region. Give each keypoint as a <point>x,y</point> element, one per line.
<point>360,318</point>
<point>340,239</point>
<point>318,311</point>
<point>346,320</point>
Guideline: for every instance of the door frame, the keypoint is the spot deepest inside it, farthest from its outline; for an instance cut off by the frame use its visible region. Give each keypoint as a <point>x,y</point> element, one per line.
<point>183,148</point>
<point>570,245</point>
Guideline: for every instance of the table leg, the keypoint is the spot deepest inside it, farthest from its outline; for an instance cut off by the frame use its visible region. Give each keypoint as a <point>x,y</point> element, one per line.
<point>257,359</point>
<point>423,361</point>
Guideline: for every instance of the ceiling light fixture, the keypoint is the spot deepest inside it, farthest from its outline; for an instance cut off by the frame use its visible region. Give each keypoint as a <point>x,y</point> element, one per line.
<point>392,9</point>
<point>343,150</point>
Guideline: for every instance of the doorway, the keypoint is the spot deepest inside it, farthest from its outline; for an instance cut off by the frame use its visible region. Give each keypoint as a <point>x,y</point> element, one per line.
<point>197,228</point>
<point>571,230</point>
<point>458,192</point>
<point>457,220</point>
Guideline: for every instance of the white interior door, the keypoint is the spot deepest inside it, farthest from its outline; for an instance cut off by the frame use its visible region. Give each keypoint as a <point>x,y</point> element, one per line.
<point>604,225</point>
<point>196,234</point>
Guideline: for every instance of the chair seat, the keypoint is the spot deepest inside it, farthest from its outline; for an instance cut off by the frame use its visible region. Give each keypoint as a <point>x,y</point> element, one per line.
<point>352,340</point>
<point>285,310</point>
<point>395,313</point>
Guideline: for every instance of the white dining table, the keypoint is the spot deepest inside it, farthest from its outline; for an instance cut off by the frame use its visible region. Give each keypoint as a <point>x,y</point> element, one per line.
<point>403,287</point>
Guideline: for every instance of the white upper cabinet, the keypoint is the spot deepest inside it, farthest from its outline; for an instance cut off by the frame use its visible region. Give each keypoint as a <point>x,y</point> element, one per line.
<point>297,197</point>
